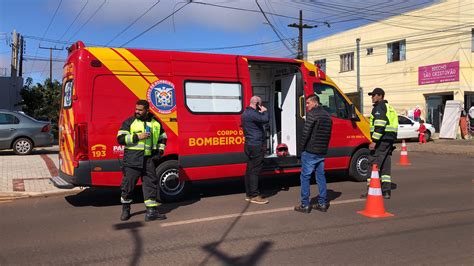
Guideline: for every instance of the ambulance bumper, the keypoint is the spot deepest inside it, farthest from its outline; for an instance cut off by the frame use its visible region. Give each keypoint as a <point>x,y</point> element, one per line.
<point>61,183</point>
<point>81,177</point>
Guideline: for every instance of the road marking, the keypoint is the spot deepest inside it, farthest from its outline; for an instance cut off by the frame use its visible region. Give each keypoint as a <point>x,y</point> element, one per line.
<point>234,215</point>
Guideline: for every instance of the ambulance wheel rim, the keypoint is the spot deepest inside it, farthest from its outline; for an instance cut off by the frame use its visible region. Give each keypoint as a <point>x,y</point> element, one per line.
<point>362,165</point>
<point>170,183</point>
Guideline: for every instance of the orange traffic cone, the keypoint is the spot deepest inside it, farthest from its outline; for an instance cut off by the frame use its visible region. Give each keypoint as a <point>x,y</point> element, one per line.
<point>404,155</point>
<point>374,207</point>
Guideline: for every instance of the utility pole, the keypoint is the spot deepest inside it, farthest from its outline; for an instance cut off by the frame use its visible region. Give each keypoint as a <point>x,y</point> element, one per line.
<point>300,27</point>
<point>22,51</point>
<point>13,73</point>
<point>14,62</point>
<point>51,60</point>
<point>359,88</point>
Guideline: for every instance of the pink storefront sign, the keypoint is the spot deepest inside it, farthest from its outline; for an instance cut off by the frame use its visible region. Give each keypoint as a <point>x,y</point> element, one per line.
<point>439,73</point>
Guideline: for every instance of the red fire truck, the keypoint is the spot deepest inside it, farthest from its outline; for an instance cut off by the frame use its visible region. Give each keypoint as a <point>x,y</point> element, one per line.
<point>199,99</point>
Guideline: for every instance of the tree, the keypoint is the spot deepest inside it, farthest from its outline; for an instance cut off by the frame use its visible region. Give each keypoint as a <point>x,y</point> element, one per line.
<point>42,101</point>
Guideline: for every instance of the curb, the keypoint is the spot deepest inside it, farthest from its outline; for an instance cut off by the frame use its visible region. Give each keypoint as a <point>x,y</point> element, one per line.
<point>8,196</point>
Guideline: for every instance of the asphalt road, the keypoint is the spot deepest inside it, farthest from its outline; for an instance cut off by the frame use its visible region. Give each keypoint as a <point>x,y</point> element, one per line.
<point>433,224</point>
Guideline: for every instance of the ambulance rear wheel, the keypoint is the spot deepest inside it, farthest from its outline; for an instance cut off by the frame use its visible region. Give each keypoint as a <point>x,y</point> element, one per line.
<point>171,187</point>
<point>359,169</point>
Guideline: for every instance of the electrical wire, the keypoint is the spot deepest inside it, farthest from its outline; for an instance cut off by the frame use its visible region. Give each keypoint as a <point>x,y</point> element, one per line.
<point>156,24</point>
<point>47,28</point>
<point>256,11</point>
<point>133,23</point>
<point>88,20</point>
<point>273,28</point>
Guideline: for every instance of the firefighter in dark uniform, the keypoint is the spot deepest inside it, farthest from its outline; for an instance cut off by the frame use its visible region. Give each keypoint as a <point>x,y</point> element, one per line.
<point>145,140</point>
<point>383,130</point>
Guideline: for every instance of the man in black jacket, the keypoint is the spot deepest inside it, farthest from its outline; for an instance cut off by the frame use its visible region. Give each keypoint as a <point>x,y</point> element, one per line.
<point>254,118</point>
<point>145,140</point>
<point>314,145</point>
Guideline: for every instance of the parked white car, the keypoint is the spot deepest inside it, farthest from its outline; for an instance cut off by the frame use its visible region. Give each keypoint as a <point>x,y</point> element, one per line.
<point>407,129</point>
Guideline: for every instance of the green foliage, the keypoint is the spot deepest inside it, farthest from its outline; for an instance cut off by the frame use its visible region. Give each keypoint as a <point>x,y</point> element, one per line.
<point>42,101</point>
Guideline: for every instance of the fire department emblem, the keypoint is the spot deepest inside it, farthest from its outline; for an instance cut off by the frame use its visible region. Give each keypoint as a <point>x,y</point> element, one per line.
<point>161,95</point>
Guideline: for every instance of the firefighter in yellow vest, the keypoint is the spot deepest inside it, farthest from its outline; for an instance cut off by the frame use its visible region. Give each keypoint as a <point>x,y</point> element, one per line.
<point>383,130</point>
<point>145,140</point>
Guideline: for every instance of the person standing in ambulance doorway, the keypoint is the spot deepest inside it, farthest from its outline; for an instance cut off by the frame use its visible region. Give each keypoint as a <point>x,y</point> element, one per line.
<point>145,140</point>
<point>314,145</point>
<point>383,130</point>
<point>254,118</point>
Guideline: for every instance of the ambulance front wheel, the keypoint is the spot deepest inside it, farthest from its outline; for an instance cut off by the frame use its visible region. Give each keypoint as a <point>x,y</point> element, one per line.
<point>171,187</point>
<point>359,170</point>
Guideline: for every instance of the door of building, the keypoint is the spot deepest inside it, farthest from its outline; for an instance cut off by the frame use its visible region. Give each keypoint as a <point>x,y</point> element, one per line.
<point>435,108</point>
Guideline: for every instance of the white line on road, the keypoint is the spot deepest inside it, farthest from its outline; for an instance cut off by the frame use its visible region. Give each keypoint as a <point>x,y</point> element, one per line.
<point>234,215</point>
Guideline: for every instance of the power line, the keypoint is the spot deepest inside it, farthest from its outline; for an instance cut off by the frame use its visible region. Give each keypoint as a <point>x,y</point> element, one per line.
<point>228,47</point>
<point>381,11</point>
<point>322,5</point>
<point>156,24</point>
<point>89,19</point>
<point>255,11</point>
<point>27,58</point>
<point>47,28</point>
<point>72,23</point>
<point>374,43</point>
<point>273,27</point>
<point>52,19</point>
<point>133,23</point>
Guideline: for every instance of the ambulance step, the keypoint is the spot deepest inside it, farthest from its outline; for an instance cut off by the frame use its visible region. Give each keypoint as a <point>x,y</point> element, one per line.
<point>61,183</point>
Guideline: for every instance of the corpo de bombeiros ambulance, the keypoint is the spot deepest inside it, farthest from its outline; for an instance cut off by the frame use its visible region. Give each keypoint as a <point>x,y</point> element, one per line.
<point>199,99</point>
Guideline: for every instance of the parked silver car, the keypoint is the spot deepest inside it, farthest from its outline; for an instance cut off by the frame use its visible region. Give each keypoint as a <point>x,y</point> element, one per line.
<point>23,133</point>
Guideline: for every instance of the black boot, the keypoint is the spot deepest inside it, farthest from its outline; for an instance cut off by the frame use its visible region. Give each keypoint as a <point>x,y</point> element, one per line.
<point>321,207</point>
<point>125,212</point>
<point>152,214</point>
<point>386,194</point>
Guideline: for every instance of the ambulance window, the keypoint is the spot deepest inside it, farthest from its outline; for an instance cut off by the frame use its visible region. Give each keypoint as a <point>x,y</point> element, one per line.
<point>67,94</point>
<point>213,97</point>
<point>331,100</point>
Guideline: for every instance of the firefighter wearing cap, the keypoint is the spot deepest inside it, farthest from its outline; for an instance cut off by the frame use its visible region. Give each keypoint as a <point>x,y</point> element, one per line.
<point>145,140</point>
<point>383,130</point>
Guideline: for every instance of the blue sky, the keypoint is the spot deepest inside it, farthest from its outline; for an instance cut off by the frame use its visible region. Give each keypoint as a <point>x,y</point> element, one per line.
<point>207,25</point>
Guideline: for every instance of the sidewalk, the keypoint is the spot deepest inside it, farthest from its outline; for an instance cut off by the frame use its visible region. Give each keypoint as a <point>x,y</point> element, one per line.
<point>28,176</point>
<point>459,147</point>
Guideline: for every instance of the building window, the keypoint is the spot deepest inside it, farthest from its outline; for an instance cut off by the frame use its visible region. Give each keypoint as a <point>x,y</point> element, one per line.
<point>321,63</point>
<point>370,51</point>
<point>347,62</point>
<point>213,97</point>
<point>396,51</point>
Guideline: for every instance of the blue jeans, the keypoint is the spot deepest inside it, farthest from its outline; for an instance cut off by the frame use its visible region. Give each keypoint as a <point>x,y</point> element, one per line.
<point>309,163</point>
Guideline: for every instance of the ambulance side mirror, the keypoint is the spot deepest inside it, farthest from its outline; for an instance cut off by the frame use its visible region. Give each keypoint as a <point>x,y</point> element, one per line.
<point>353,113</point>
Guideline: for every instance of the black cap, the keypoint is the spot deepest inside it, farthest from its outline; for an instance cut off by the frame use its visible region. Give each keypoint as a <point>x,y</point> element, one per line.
<point>378,91</point>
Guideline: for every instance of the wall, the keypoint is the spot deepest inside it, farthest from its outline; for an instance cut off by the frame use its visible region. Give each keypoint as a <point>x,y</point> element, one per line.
<point>10,93</point>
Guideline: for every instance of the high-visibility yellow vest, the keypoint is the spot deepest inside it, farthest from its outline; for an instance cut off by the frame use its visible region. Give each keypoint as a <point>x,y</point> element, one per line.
<point>389,126</point>
<point>148,144</point>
